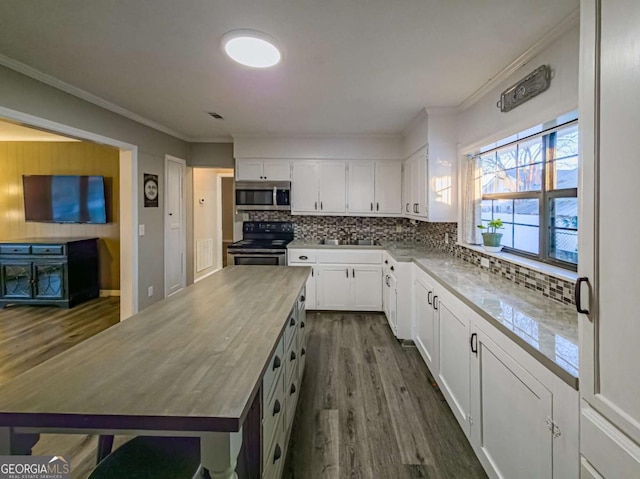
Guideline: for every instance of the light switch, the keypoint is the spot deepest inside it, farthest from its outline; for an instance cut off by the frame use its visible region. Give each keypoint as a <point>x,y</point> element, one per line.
<point>140,230</point>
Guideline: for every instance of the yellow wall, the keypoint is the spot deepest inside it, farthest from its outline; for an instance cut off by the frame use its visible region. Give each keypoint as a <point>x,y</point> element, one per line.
<point>61,158</point>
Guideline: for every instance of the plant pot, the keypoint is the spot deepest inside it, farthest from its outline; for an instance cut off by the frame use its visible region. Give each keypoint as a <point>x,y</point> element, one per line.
<point>491,242</point>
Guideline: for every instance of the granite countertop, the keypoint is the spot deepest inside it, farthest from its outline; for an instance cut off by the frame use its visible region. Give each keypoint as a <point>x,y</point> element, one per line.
<point>315,244</point>
<point>545,328</point>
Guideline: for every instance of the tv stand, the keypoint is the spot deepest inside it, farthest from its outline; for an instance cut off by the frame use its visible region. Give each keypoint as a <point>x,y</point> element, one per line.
<point>49,271</point>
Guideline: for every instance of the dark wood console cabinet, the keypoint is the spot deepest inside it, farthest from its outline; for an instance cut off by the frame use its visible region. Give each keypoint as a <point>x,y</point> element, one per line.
<point>54,271</point>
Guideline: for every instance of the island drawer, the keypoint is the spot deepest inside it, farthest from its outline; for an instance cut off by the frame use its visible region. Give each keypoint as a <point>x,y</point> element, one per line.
<point>303,359</point>
<point>290,329</point>
<point>273,453</point>
<point>272,413</point>
<point>292,363</point>
<point>302,256</point>
<point>275,367</point>
<point>292,392</point>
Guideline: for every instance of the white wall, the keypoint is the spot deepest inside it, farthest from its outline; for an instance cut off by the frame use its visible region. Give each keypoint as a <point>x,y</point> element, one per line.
<point>205,215</point>
<point>336,148</point>
<point>484,123</point>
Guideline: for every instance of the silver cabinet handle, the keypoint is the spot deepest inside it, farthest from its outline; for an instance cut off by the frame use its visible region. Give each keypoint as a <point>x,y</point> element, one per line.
<point>275,196</point>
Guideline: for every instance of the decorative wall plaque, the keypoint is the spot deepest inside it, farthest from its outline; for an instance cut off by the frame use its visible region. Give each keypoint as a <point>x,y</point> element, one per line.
<point>530,86</point>
<point>150,190</point>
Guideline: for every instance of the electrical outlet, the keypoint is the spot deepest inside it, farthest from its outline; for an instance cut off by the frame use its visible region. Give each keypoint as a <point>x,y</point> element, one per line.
<point>140,230</point>
<point>446,238</point>
<point>398,228</point>
<point>484,262</point>
<point>150,292</point>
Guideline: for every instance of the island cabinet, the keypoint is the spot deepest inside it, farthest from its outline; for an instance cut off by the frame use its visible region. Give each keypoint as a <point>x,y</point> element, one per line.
<point>520,418</point>
<point>280,390</point>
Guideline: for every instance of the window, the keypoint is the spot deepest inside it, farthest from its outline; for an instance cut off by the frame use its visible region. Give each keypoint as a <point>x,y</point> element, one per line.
<point>532,185</point>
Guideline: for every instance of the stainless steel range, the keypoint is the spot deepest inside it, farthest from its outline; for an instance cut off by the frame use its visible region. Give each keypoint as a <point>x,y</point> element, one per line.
<point>263,243</point>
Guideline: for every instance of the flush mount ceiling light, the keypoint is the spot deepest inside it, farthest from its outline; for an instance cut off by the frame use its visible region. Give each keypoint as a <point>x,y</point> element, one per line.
<point>251,48</point>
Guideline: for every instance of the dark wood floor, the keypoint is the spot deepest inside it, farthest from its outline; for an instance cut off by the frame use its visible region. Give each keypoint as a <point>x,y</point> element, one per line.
<point>368,410</point>
<point>29,335</point>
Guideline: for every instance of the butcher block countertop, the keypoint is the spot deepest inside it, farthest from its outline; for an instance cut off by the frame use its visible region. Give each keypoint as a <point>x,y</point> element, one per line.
<point>192,362</point>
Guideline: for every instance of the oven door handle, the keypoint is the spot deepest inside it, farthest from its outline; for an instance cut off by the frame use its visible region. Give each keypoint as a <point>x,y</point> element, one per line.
<point>275,196</point>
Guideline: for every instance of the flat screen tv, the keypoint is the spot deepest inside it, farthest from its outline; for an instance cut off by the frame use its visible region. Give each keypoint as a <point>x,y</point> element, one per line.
<point>64,199</point>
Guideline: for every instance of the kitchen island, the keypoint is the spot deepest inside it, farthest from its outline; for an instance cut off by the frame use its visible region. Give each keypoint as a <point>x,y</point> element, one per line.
<point>194,364</point>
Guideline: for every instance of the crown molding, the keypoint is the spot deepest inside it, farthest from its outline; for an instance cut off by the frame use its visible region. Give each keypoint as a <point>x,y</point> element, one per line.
<point>322,136</point>
<point>441,111</point>
<point>212,139</point>
<point>547,39</point>
<point>85,95</point>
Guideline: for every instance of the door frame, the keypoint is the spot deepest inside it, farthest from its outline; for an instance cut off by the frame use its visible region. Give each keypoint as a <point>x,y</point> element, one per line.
<point>219,238</point>
<point>183,224</point>
<point>128,197</point>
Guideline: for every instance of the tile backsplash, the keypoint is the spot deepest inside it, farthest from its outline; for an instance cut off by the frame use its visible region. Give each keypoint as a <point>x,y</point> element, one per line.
<point>433,234</point>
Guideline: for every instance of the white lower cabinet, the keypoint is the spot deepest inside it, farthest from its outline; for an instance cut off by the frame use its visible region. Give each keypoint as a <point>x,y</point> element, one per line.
<point>390,301</point>
<point>520,418</point>
<point>426,323</point>
<point>511,414</point>
<point>367,292</point>
<point>349,287</point>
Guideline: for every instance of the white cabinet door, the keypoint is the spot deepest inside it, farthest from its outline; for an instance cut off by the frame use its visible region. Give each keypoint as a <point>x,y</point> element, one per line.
<point>277,170</point>
<point>335,287</point>
<point>311,301</point>
<point>333,186</point>
<point>249,170</point>
<point>509,412</point>
<point>425,323</point>
<point>609,333</point>
<point>422,183</point>
<point>406,189</point>
<point>304,186</point>
<point>442,168</point>
<point>367,289</point>
<point>388,187</point>
<point>362,186</point>
<point>453,362</point>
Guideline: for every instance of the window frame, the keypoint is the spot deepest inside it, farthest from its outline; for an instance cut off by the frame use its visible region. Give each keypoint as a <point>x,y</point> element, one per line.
<point>544,196</point>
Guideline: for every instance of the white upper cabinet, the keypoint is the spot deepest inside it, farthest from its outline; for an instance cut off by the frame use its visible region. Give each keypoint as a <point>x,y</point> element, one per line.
<point>263,170</point>
<point>304,187</point>
<point>375,187</point>
<point>609,258</point>
<point>333,186</point>
<point>362,194</point>
<point>415,177</point>
<point>388,187</point>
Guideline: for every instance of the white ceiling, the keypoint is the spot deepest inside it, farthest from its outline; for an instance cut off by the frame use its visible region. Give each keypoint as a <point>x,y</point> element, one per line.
<point>13,132</point>
<point>350,66</point>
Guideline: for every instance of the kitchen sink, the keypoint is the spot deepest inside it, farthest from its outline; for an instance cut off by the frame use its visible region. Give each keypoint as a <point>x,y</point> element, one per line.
<point>337,242</point>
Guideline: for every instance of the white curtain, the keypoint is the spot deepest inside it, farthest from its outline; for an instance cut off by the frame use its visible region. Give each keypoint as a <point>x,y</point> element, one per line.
<point>471,201</point>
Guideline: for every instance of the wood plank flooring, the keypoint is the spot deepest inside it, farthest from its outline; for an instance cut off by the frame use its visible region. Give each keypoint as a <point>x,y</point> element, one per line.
<point>367,408</point>
<point>29,335</point>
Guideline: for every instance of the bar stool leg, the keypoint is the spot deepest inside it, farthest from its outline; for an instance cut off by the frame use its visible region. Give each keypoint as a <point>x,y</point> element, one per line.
<point>219,454</point>
<point>105,445</point>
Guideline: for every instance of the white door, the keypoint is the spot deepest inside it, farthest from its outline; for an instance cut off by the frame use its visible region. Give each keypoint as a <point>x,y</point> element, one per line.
<point>174,226</point>
<point>277,170</point>
<point>425,327</point>
<point>388,187</point>
<point>453,362</point>
<point>333,186</point>
<point>361,187</point>
<point>367,288</point>
<point>334,287</point>
<point>304,186</point>
<point>509,412</point>
<point>609,257</point>
<point>249,170</point>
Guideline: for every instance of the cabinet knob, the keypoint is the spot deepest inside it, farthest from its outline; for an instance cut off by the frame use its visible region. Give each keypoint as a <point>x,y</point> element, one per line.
<point>303,352</point>
<point>293,356</point>
<point>292,390</point>
<point>276,363</point>
<point>292,321</point>
<point>392,269</point>
<point>276,407</point>
<point>301,324</point>
<point>386,261</point>
<point>302,298</point>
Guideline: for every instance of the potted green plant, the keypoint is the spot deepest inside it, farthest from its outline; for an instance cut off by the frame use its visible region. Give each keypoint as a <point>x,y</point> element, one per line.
<point>491,239</point>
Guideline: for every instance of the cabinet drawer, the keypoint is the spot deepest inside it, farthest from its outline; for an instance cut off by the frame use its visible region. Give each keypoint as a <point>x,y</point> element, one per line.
<point>350,257</point>
<point>15,249</point>
<point>302,256</point>
<point>272,413</point>
<point>291,366</point>
<point>290,331</point>
<point>273,453</point>
<point>292,392</point>
<point>47,249</point>
<point>302,361</point>
<point>276,365</point>
<point>388,262</point>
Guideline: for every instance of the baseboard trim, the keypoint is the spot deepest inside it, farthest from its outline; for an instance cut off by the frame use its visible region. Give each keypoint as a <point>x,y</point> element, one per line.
<point>106,293</point>
<point>206,275</point>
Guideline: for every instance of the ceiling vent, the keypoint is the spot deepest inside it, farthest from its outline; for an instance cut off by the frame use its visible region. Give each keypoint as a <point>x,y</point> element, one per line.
<point>217,116</point>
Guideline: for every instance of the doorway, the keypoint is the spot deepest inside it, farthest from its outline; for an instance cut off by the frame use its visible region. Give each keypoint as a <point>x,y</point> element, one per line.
<point>227,214</point>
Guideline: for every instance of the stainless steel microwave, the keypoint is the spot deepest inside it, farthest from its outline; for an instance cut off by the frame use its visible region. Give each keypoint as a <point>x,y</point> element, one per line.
<point>263,195</point>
